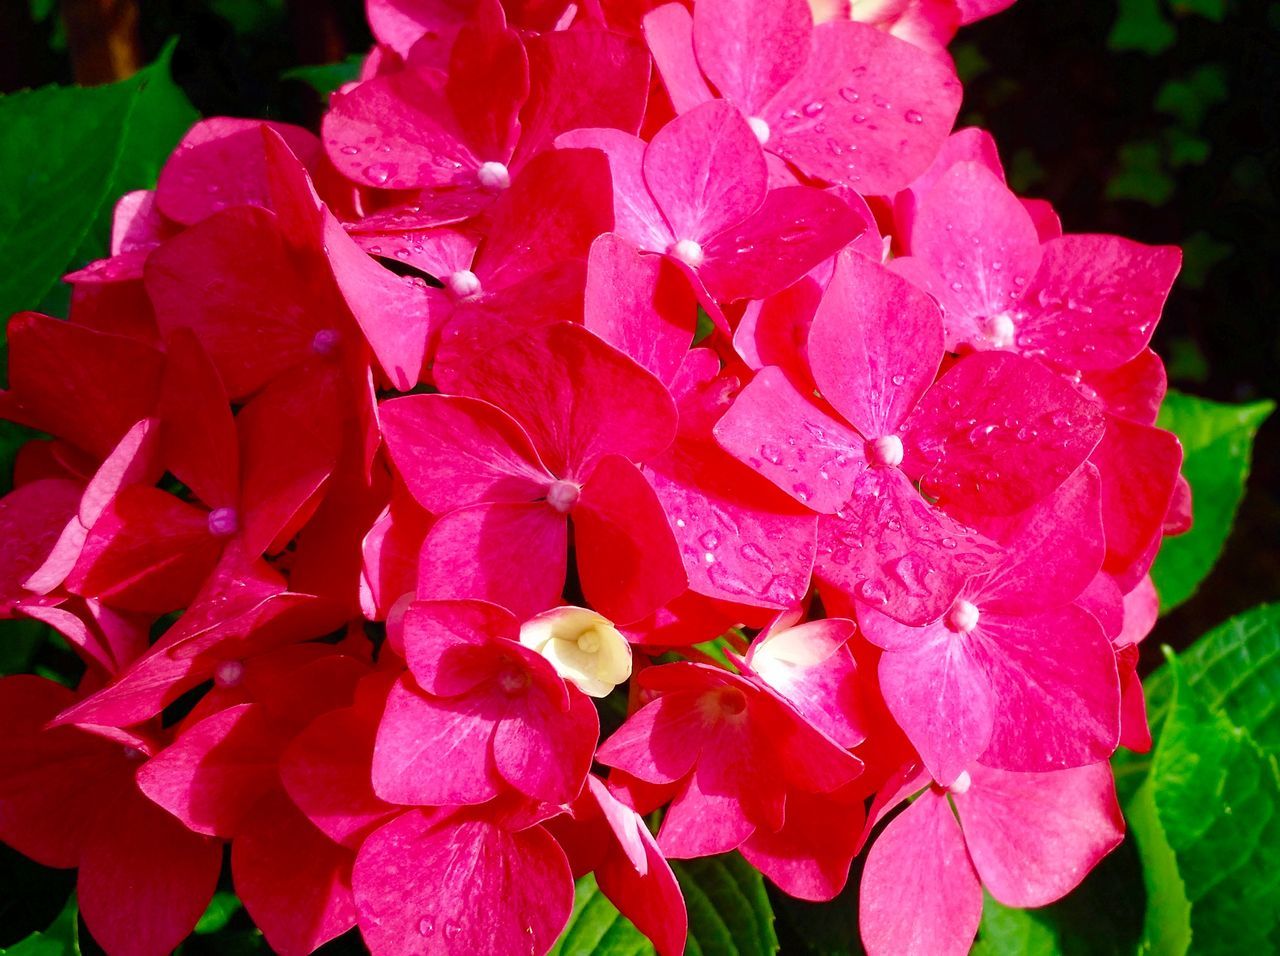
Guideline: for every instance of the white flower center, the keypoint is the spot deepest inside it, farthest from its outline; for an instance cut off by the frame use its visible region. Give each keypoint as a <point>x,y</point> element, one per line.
<point>493,176</point>
<point>688,252</point>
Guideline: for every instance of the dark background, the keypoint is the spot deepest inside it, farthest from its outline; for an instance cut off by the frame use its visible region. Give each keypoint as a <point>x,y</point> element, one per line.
<point>1156,120</point>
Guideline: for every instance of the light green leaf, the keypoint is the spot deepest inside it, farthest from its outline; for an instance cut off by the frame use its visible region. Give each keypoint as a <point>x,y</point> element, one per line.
<point>62,938</point>
<point>1217,441</point>
<point>596,928</point>
<point>729,910</point>
<point>222,907</point>
<point>1207,821</point>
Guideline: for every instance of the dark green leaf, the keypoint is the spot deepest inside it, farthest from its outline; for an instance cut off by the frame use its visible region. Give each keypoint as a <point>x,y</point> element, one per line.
<point>1141,25</point>
<point>596,928</point>
<point>327,77</point>
<point>1217,441</point>
<point>222,907</point>
<point>729,911</point>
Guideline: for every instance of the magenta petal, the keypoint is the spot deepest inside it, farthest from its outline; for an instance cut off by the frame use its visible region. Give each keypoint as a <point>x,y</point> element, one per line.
<point>213,774</point>
<point>811,666</point>
<point>417,884</point>
<point>867,109</point>
<point>998,433</point>
<point>628,560</point>
<point>448,644</point>
<point>659,743</point>
<point>920,895</point>
<point>1052,550</point>
<point>564,385</point>
<point>514,555</point>
<point>454,452</point>
<point>776,430</point>
<point>33,519</point>
<point>325,771</point>
<point>889,549</point>
<point>401,23</point>
<point>545,752</point>
<point>668,30</point>
<point>294,881</point>
<point>636,216</point>
<point>488,82</point>
<point>1055,676</point>
<point>941,697</point>
<point>582,79</point>
<point>1139,468</point>
<point>982,245</point>
<point>1096,300</point>
<point>197,431</point>
<point>706,171</point>
<point>1034,836</point>
<point>640,304</point>
<point>795,230</point>
<point>750,48</point>
<point>397,132</point>
<point>875,345</point>
<point>397,314</point>
<point>709,815</point>
<point>435,751</point>
<point>809,857</point>
<point>145,879</point>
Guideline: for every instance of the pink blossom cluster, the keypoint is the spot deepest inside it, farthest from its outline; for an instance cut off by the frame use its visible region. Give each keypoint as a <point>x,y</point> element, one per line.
<point>417,426</point>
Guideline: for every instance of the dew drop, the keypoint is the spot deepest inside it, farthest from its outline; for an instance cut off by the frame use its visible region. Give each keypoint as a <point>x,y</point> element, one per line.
<point>812,109</point>
<point>379,173</point>
<point>914,117</point>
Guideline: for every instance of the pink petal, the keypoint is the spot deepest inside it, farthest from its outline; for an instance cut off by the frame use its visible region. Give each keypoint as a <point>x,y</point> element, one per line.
<point>920,895</point>
<point>892,551</point>
<point>145,879</point>
<point>668,30</point>
<point>453,452</point>
<point>220,164</point>
<point>1096,300</point>
<point>750,48</point>
<point>708,816</point>
<point>289,444</point>
<point>1054,674</point>
<point>875,345</point>
<point>796,229</point>
<point>32,521</point>
<point>488,83</point>
<point>1139,468</point>
<point>970,144</point>
<point>563,385</point>
<point>64,379</point>
<point>706,171</point>
<point>982,245</point>
<point>847,117</point>
<point>294,881</point>
<point>417,882</point>
<point>998,433</point>
<point>1034,836</point>
<point>545,752</point>
<point>941,697</point>
<point>1134,390</point>
<point>809,857</point>
<point>449,645</point>
<point>198,431</point>
<point>214,773</point>
<point>397,314</point>
<point>400,23</point>
<point>640,304</point>
<point>1052,550</point>
<point>435,751</point>
<point>810,665</point>
<point>628,560</point>
<point>775,330</point>
<point>510,554</point>
<point>635,214</point>
<point>136,223</point>
<point>555,207</point>
<point>397,132</point>
<point>325,771</point>
<point>776,430</point>
<point>580,79</point>
<point>659,743</point>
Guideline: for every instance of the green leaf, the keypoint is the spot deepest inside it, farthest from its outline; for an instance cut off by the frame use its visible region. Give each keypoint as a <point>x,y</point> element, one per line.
<point>327,77</point>
<point>222,907</point>
<point>1207,821</point>
<point>729,911</point>
<point>62,938</point>
<point>1217,441</point>
<point>1141,25</point>
<point>66,154</point>
<point>596,928</point>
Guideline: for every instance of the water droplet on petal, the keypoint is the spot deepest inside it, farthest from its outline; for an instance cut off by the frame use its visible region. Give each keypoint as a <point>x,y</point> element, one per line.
<point>913,117</point>
<point>379,173</point>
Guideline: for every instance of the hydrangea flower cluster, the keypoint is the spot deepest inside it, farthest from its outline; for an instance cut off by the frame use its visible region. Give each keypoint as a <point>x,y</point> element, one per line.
<point>582,335</point>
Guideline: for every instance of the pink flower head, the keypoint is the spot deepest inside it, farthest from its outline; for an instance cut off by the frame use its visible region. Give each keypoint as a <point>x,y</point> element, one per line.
<point>970,440</point>
<point>841,101</point>
<point>730,749</point>
<point>1029,838</point>
<point>1014,674</point>
<point>542,430</point>
<point>482,715</point>
<point>699,192</point>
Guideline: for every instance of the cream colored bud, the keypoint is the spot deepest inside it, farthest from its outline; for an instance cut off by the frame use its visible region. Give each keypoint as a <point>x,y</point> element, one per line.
<point>584,647</point>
